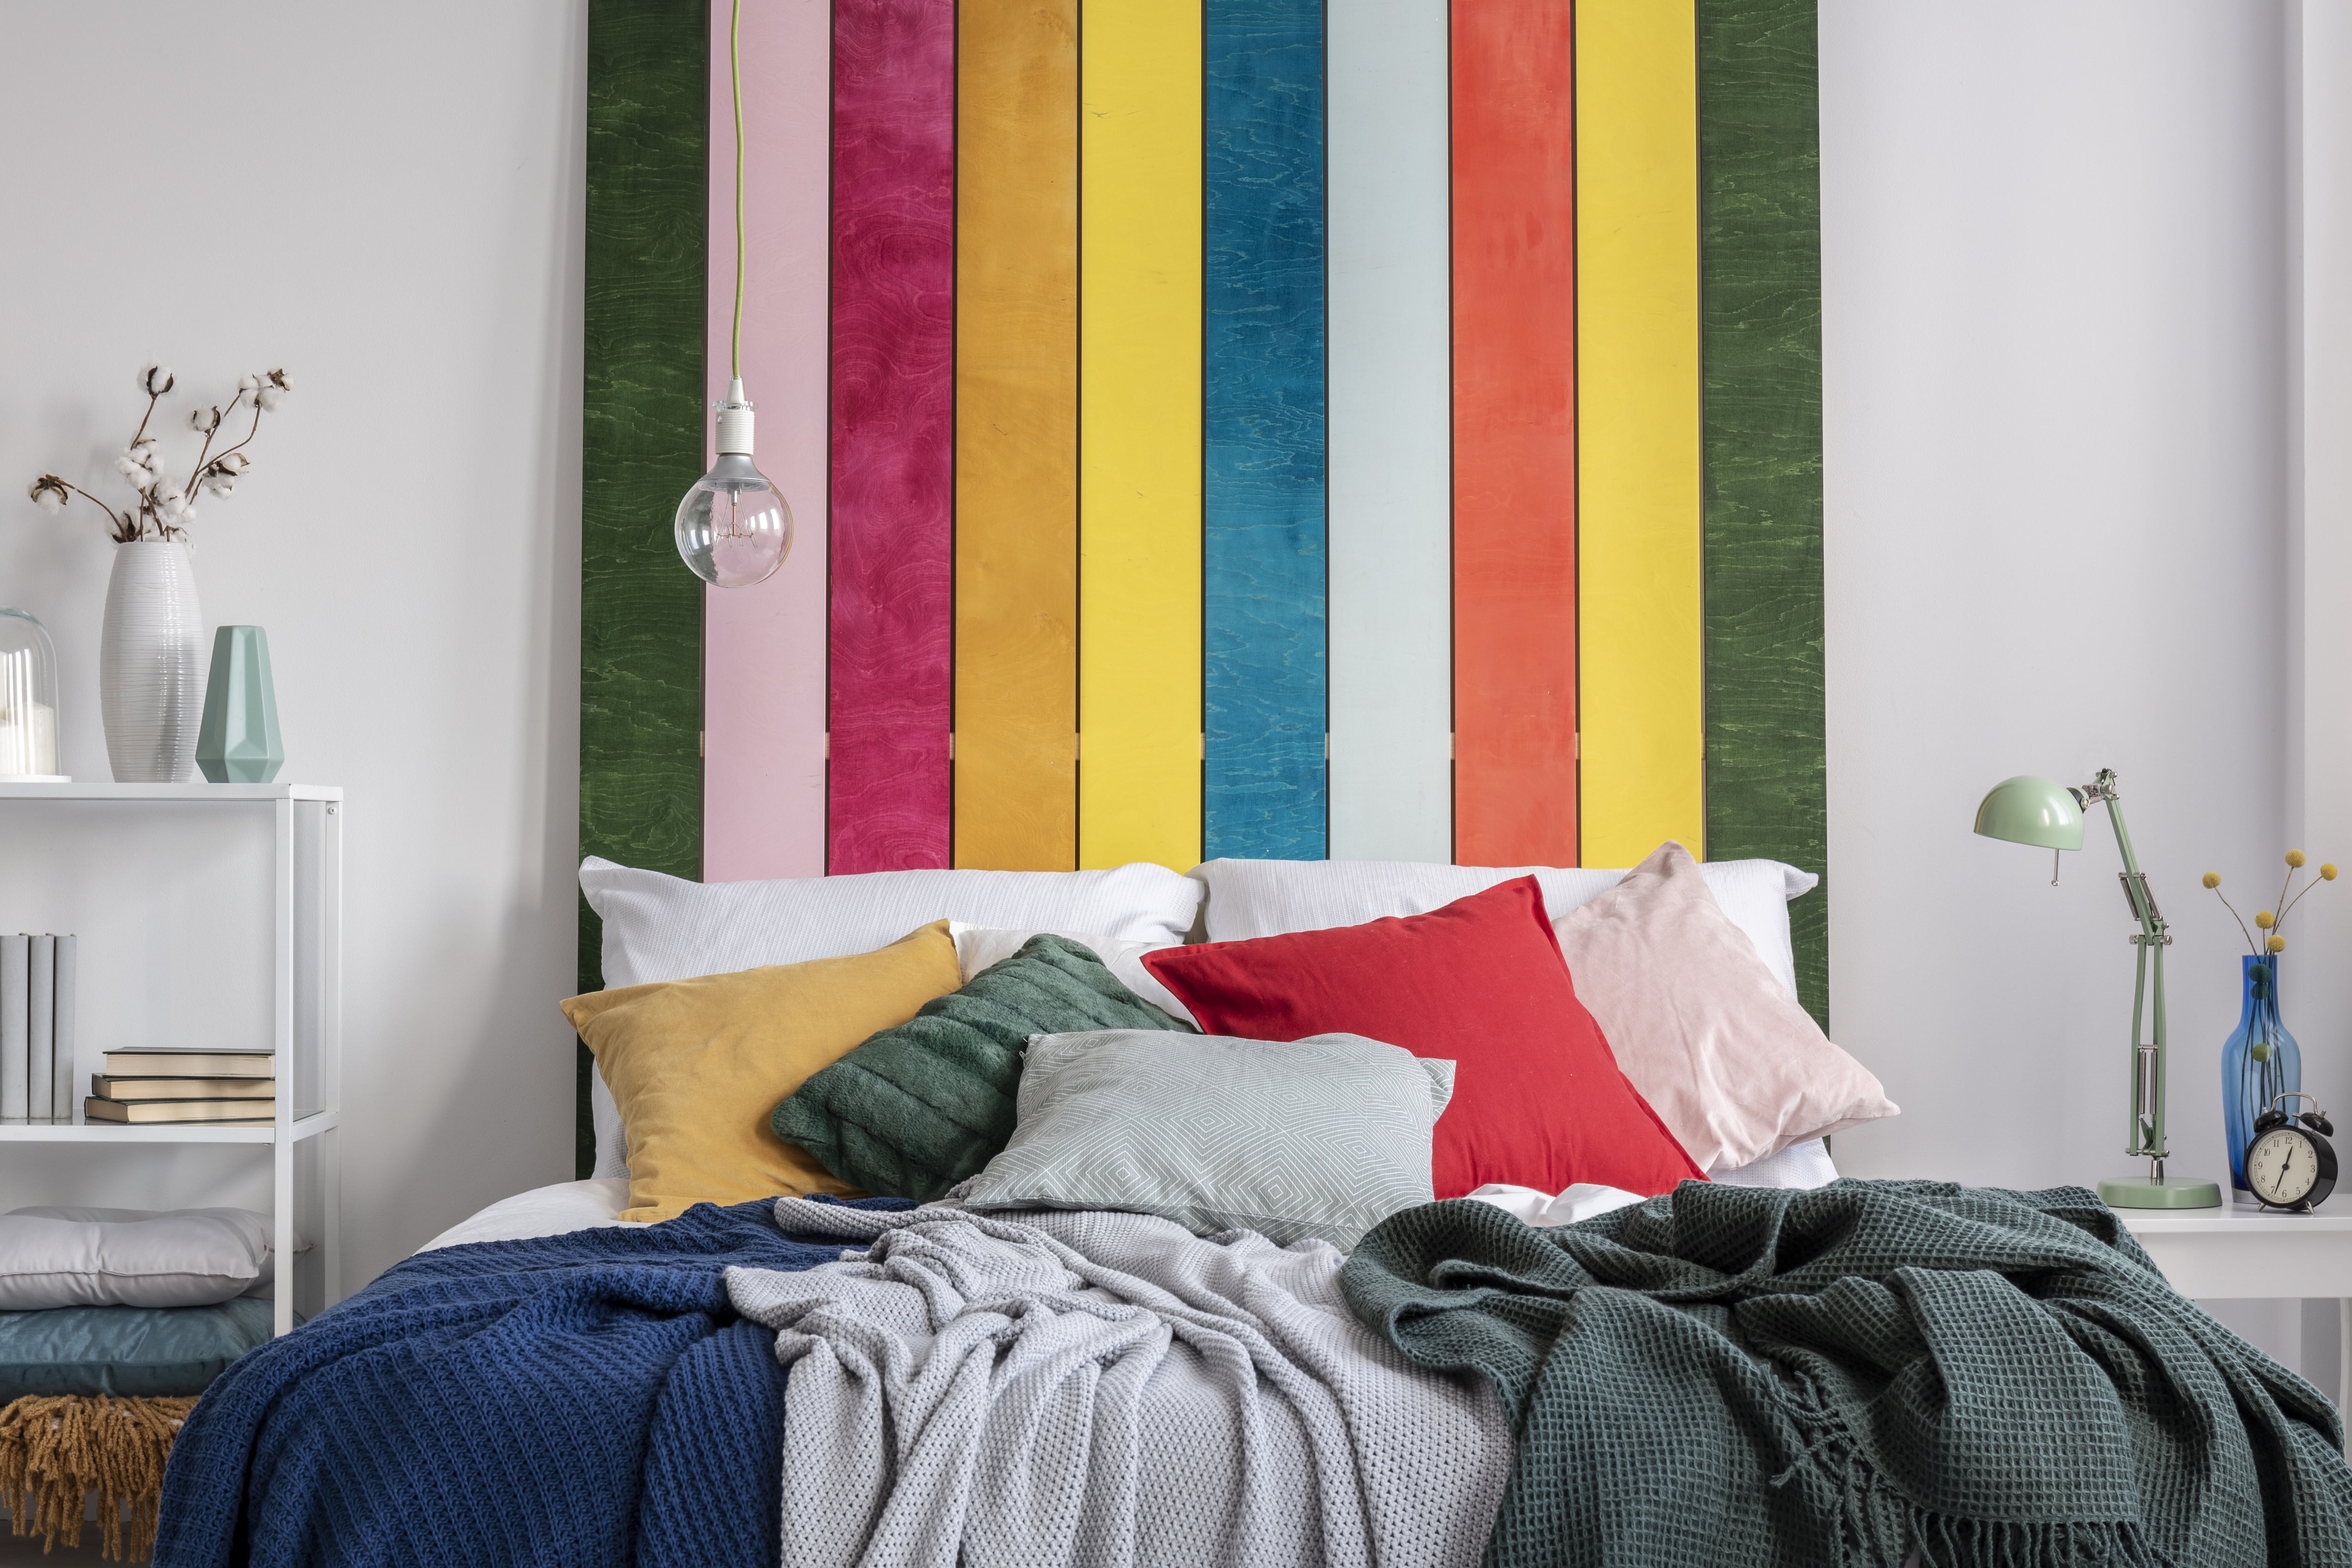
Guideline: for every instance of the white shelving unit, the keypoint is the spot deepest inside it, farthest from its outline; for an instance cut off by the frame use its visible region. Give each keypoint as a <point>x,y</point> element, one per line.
<point>304,824</point>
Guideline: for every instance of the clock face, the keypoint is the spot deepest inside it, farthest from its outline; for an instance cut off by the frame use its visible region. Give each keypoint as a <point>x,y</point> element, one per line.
<point>2282,1167</point>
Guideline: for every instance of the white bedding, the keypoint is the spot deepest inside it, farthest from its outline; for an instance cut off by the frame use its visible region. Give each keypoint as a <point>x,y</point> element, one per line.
<point>566,1206</point>
<point>578,1204</point>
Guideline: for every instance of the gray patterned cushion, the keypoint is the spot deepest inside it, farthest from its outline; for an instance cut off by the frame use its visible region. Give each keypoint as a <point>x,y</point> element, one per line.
<point>1324,1136</point>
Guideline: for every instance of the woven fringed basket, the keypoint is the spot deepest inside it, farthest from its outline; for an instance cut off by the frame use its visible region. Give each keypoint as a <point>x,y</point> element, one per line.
<point>54,1450</point>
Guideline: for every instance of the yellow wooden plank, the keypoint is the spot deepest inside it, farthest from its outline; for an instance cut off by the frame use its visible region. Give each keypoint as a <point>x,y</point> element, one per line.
<point>1016,434</point>
<point>1638,481</point>
<point>1140,434</point>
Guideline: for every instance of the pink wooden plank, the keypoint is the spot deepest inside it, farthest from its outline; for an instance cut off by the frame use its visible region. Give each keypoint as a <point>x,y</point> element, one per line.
<point>893,431</point>
<point>763,648</point>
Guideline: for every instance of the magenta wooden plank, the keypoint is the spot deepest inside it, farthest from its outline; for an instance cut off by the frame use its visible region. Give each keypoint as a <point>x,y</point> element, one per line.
<point>892,434</point>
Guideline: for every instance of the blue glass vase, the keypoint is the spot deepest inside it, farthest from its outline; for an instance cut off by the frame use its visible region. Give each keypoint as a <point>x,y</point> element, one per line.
<point>2259,1064</point>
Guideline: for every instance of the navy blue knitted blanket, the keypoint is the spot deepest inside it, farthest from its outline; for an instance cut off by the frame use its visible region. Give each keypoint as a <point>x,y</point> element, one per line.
<point>589,1398</point>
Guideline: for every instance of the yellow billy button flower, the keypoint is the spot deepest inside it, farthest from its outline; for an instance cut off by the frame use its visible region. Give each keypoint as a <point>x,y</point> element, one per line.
<point>2295,859</point>
<point>2265,919</point>
<point>2277,943</point>
<point>2214,879</point>
<point>2327,871</point>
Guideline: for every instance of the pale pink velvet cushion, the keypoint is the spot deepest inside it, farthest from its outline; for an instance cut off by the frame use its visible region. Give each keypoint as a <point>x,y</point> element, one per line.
<point>1720,1049</point>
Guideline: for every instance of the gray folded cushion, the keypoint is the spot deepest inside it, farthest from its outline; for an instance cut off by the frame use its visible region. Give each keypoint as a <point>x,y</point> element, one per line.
<point>78,1257</point>
<point>916,1108</point>
<point>148,1351</point>
<point>1325,1136</point>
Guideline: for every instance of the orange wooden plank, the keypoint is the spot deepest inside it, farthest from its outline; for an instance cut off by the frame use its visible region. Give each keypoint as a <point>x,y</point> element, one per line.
<point>1016,785</point>
<point>1515,670</point>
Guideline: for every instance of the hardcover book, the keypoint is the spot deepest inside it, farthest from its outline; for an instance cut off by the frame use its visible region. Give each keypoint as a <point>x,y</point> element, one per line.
<point>145,1111</point>
<point>41,1033</point>
<point>108,1088</point>
<point>190,1064</point>
<point>62,1076</point>
<point>15,1026</point>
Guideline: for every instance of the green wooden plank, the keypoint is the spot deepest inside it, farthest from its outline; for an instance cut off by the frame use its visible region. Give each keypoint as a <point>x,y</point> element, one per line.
<point>1759,229</point>
<point>642,447</point>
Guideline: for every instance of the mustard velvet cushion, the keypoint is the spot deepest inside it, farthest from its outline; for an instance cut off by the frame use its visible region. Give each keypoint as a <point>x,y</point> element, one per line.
<point>696,1065</point>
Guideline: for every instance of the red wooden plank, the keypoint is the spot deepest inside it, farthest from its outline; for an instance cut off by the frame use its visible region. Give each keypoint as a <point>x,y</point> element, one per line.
<point>892,448</point>
<point>1514,794</point>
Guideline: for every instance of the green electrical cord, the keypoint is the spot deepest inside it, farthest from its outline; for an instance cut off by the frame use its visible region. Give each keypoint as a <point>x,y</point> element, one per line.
<point>735,70</point>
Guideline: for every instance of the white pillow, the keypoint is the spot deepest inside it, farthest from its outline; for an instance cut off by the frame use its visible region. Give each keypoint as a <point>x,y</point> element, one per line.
<point>660,927</point>
<point>1271,898</point>
<point>978,946</point>
<point>72,1257</point>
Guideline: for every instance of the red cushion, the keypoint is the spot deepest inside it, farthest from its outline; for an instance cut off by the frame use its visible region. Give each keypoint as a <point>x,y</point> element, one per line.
<point>1538,1099</point>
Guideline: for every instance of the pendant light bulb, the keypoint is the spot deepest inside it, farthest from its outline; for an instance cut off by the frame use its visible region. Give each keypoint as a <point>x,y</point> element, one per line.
<point>734,527</point>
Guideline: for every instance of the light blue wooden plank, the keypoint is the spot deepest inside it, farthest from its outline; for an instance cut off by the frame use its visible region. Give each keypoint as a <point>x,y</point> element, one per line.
<point>1391,493</point>
<point>1263,648</point>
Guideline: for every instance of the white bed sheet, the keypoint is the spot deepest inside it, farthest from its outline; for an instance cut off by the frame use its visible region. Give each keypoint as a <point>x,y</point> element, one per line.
<point>1805,1165</point>
<point>568,1205</point>
<point>555,1210</point>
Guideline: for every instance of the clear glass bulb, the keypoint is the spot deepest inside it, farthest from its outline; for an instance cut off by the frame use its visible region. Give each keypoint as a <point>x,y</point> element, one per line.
<point>734,527</point>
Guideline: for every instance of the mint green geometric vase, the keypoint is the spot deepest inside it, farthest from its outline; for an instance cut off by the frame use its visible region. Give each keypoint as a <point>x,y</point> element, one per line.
<point>238,743</point>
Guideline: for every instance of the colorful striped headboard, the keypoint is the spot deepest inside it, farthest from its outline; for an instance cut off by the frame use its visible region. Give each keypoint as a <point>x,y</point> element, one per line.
<point>1214,427</point>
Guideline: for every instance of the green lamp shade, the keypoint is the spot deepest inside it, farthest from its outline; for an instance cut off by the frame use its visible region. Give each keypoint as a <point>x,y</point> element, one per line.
<point>237,742</point>
<point>2030,811</point>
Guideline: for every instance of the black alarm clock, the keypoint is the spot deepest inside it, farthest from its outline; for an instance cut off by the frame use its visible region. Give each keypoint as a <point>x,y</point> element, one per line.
<point>2290,1165</point>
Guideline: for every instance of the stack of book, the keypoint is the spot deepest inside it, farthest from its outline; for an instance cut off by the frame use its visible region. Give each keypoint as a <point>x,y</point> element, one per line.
<point>149,1086</point>
<point>36,1028</point>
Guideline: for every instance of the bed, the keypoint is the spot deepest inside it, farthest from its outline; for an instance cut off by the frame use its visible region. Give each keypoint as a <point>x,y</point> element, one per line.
<point>1024,1364</point>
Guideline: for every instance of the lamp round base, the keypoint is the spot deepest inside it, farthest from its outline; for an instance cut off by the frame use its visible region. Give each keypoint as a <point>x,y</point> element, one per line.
<point>2171,1192</point>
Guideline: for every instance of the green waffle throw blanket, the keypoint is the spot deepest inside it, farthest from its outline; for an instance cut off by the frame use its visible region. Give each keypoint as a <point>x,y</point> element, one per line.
<point>1737,1376</point>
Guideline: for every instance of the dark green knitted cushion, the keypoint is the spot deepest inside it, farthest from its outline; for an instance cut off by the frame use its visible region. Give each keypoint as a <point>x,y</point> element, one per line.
<point>919,1108</point>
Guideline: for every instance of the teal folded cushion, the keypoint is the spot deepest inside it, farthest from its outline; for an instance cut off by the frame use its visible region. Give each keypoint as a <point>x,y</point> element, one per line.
<point>916,1108</point>
<point>156,1352</point>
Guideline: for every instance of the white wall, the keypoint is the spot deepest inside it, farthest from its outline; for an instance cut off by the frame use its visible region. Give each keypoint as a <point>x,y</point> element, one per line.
<point>2055,356</point>
<point>2064,531</point>
<point>386,201</point>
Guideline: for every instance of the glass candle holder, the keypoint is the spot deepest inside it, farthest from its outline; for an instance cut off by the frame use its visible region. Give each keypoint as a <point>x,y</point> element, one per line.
<point>28,701</point>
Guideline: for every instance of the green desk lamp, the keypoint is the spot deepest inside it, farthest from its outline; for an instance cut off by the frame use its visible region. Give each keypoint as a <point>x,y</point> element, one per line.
<point>2030,811</point>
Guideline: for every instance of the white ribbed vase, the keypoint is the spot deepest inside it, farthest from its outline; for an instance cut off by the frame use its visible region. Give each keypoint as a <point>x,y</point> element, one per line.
<point>151,671</point>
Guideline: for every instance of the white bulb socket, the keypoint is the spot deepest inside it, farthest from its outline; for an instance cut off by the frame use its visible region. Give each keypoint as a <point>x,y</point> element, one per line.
<point>735,422</point>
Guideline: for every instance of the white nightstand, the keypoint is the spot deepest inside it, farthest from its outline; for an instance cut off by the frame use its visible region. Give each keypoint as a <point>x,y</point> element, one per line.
<point>2232,1253</point>
<point>210,917</point>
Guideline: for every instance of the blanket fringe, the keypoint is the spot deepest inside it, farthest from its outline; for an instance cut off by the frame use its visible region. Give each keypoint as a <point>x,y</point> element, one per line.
<point>1879,1527</point>
<point>57,1450</point>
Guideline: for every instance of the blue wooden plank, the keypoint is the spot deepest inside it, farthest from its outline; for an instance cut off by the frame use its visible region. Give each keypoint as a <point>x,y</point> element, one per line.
<point>1265,666</point>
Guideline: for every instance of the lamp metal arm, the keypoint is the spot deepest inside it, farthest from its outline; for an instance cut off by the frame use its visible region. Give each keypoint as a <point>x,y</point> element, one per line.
<point>2146,1139</point>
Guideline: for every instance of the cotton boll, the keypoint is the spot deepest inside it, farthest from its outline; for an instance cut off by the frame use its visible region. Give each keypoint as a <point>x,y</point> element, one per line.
<point>156,379</point>
<point>270,398</point>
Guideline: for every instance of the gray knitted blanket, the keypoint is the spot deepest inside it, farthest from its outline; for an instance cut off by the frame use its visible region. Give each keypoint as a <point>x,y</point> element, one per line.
<point>1729,1377</point>
<point>1089,1388</point>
